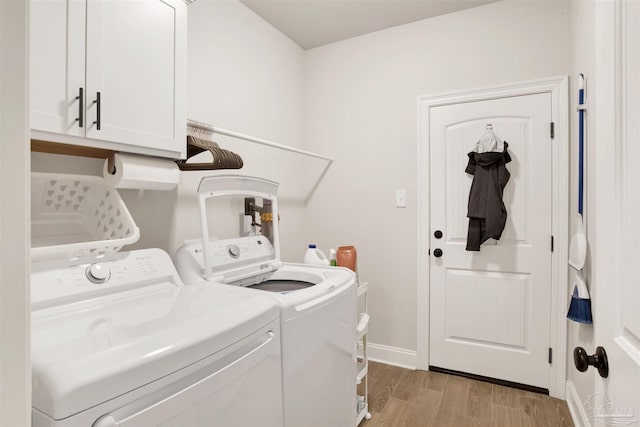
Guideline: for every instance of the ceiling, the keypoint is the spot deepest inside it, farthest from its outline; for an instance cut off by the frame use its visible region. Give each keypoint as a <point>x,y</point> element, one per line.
<point>313,23</point>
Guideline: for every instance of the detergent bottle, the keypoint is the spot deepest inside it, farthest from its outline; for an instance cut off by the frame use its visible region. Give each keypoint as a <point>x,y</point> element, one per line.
<point>347,256</point>
<point>315,256</point>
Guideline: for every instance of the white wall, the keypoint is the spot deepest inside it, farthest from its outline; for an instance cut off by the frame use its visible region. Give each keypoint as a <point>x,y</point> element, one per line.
<point>15,309</point>
<point>361,105</point>
<point>244,76</point>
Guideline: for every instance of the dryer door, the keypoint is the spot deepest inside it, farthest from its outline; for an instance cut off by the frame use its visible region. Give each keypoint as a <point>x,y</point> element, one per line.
<point>218,394</point>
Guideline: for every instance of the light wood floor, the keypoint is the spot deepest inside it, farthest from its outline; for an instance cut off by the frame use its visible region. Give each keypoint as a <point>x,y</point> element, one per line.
<point>402,397</point>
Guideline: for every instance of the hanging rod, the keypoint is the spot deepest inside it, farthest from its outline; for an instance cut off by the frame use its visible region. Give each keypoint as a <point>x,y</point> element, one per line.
<point>204,126</point>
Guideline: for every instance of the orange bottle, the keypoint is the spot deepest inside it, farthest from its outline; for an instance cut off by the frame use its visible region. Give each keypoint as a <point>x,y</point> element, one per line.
<point>346,256</point>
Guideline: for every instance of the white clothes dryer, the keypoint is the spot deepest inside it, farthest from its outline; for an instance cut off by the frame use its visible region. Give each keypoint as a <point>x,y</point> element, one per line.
<point>124,343</point>
<point>317,307</point>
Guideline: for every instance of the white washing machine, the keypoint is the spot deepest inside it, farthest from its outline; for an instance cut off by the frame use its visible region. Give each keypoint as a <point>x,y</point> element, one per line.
<point>123,343</point>
<point>318,306</point>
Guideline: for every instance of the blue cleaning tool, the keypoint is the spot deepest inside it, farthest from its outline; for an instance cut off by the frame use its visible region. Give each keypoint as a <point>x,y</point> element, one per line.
<point>580,306</point>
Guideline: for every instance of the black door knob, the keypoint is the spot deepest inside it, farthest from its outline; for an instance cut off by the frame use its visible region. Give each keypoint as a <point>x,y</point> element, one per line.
<point>437,234</point>
<point>599,360</point>
<point>437,253</point>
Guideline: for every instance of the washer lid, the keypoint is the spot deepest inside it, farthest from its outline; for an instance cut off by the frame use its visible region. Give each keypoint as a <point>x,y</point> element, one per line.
<point>91,351</point>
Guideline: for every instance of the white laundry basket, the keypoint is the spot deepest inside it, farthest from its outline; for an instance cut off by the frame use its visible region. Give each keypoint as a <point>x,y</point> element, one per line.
<point>76,216</point>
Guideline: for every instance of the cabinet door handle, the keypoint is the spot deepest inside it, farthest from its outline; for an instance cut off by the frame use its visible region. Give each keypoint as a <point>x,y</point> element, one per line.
<point>80,98</point>
<point>97,102</point>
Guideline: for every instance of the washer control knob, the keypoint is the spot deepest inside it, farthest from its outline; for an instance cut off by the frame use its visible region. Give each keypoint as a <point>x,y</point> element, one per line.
<point>98,273</point>
<point>233,250</point>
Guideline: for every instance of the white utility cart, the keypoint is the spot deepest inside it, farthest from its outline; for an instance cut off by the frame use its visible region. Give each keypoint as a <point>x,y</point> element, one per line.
<point>363,359</point>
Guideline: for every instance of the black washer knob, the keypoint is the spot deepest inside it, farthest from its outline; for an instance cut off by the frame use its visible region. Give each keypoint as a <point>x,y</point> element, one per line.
<point>437,252</point>
<point>437,234</point>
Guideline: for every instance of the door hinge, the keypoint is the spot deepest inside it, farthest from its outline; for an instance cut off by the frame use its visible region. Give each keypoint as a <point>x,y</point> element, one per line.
<point>551,243</point>
<point>552,130</point>
<point>550,355</point>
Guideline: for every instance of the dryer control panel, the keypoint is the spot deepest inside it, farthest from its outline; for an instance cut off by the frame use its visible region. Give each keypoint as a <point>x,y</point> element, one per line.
<point>57,282</point>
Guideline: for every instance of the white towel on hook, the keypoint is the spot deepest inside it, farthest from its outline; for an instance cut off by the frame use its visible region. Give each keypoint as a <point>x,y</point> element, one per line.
<point>489,143</point>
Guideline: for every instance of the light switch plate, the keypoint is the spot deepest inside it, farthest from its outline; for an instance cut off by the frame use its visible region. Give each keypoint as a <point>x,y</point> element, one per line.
<point>401,198</point>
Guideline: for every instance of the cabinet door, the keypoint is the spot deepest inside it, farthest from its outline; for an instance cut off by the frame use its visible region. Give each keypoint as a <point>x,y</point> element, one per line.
<point>136,60</point>
<point>57,58</point>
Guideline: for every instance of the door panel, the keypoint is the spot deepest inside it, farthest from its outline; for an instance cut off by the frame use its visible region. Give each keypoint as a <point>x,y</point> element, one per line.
<point>616,288</point>
<point>490,310</point>
<point>487,308</point>
<point>629,296</point>
<point>135,71</point>
<point>56,45</point>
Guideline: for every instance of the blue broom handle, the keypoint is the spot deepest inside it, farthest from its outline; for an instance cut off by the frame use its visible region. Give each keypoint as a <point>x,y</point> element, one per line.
<point>581,153</point>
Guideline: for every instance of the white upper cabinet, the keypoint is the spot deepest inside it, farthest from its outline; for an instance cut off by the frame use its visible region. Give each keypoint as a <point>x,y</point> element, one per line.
<point>127,59</point>
<point>57,49</point>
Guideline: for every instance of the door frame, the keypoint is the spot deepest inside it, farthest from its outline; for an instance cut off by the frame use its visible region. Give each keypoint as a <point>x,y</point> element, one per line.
<point>15,229</point>
<point>558,87</point>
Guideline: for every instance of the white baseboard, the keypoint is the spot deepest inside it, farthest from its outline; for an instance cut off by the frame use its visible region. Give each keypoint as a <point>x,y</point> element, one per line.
<point>392,355</point>
<point>578,414</point>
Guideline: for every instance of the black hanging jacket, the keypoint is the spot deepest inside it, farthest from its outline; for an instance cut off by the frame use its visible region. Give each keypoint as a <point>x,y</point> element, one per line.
<point>486,211</point>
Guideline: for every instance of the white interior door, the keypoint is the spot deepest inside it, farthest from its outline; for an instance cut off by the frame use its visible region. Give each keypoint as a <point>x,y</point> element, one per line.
<point>490,310</point>
<point>616,300</point>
